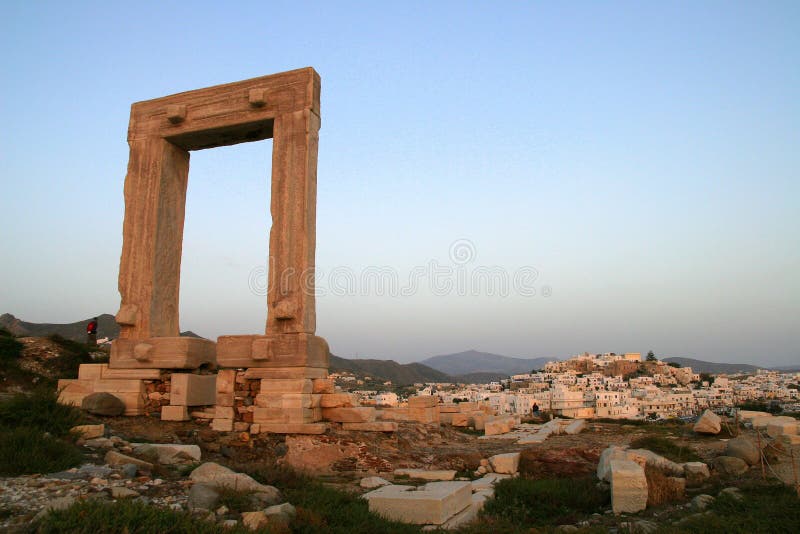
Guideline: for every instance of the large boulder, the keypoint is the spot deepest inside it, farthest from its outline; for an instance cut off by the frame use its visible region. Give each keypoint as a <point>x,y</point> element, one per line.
<point>730,466</point>
<point>744,449</point>
<point>708,423</point>
<point>103,404</point>
<point>168,453</point>
<point>219,476</point>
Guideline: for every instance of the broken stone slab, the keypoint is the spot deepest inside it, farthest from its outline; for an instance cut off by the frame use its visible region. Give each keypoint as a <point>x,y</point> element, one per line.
<point>373,482</point>
<point>507,464</point>
<point>89,431</point>
<point>431,504</point>
<point>374,426</point>
<point>575,427</point>
<point>465,516</point>
<point>213,474</point>
<point>708,423</point>
<point>117,458</point>
<point>175,413</point>
<point>628,487</point>
<point>422,474</point>
<point>640,456</point>
<point>169,453</point>
<point>776,429</point>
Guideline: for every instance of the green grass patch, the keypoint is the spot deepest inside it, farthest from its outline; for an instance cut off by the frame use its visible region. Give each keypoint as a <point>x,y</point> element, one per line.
<point>324,509</point>
<point>666,448</point>
<point>767,510</point>
<point>533,503</point>
<point>39,410</point>
<point>28,450</point>
<point>98,517</point>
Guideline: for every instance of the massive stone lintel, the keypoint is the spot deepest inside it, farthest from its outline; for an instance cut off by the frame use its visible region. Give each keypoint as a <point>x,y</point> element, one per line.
<point>163,353</point>
<point>162,131</point>
<point>273,351</point>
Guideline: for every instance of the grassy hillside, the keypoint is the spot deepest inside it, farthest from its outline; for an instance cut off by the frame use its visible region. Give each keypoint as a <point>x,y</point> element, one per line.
<point>399,374</point>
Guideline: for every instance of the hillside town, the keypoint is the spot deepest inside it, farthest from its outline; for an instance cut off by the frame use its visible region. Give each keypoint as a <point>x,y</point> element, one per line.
<point>610,386</point>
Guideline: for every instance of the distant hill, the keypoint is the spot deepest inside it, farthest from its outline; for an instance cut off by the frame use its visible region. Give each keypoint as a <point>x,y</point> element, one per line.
<point>106,327</point>
<point>699,366</point>
<point>399,374</point>
<point>479,378</point>
<point>472,361</point>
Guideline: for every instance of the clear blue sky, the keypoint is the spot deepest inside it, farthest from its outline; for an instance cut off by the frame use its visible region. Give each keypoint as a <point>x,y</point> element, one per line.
<point>643,157</point>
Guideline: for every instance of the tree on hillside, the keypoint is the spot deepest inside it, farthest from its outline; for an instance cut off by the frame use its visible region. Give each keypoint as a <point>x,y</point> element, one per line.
<point>651,357</point>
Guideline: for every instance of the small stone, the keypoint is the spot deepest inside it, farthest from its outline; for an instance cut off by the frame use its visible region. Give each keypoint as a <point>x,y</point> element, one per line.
<point>373,482</point>
<point>506,464</point>
<point>228,523</point>
<point>696,473</point>
<point>254,520</point>
<point>129,470</point>
<point>203,496</point>
<point>118,492</point>
<point>285,508</point>
<point>644,527</point>
<point>222,510</point>
<point>89,431</point>
<point>701,502</point>
<point>733,493</point>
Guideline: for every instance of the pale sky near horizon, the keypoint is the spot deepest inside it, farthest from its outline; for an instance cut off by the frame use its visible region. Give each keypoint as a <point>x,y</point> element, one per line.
<point>642,157</point>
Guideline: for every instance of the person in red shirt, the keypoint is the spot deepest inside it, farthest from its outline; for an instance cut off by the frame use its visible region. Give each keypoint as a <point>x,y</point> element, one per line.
<point>91,333</point>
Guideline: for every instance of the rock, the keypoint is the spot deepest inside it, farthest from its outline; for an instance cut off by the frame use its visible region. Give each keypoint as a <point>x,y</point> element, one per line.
<point>628,487</point>
<point>255,520</point>
<point>604,465</point>
<point>59,503</point>
<point>89,431</point>
<point>99,443</point>
<point>203,496</point>
<point>168,453</point>
<point>487,482</point>
<point>567,528</point>
<point>733,493</point>
<point>373,482</point>
<point>103,404</point>
<point>644,527</point>
<point>507,464</point>
<point>743,448</point>
<point>222,510</point>
<point>117,458</point>
<point>129,470</point>
<point>119,492</point>
<point>696,473</point>
<point>228,523</point>
<point>730,466</point>
<point>285,508</point>
<point>701,502</point>
<point>708,423</point>
<point>781,427</point>
<point>423,474</point>
<point>221,477</point>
